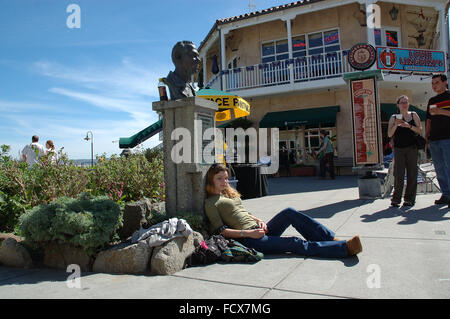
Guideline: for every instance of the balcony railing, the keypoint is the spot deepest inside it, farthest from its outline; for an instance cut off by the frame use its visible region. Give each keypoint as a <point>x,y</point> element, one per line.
<point>308,68</point>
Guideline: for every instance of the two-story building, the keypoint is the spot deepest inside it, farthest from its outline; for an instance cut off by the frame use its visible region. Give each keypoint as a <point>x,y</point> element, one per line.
<point>289,62</point>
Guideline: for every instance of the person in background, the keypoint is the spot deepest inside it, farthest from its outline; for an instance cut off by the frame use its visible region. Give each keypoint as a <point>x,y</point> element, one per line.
<point>33,151</point>
<point>50,152</point>
<point>328,157</point>
<point>403,127</point>
<point>438,135</point>
<point>229,218</point>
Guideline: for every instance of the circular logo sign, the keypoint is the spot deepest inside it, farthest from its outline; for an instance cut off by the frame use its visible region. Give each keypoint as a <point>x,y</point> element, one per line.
<point>362,56</point>
<point>388,58</point>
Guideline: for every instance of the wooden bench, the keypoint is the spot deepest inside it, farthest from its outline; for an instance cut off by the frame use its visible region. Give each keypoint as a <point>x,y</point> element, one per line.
<point>342,162</point>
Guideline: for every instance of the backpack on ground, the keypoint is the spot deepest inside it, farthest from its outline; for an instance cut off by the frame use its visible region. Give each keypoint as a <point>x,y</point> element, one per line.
<point>237,252</point>
<point>217,248</point>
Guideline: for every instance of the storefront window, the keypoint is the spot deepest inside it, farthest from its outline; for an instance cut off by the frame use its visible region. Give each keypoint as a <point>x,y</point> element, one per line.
<point>312,139</point>
<point>323,42</point>
<point>275,51</point>
<point>387,37</point>
<point>299,46</point>
<point>302,45</point>
<point>391,38</point>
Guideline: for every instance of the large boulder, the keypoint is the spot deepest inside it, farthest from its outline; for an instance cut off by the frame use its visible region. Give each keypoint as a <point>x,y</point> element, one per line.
<point>170,257</point>
<point>4,236</point>
<point>62,255</point>
<point>134,216</point>
<point>13,254</point>
<point>124,259</point>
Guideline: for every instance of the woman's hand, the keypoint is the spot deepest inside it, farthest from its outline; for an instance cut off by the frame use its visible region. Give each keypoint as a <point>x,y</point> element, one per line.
<point>262,225</point>
<point>256,233</point>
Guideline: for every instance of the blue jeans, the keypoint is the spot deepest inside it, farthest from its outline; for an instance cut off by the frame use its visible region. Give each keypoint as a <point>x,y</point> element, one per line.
<point>319,239</point>
<point>440,153</point>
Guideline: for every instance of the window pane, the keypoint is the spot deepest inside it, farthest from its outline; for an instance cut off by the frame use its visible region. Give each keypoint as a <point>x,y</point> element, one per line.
<point>282,57</point>
<point>291,144</point>
<point>299,53</point>
<point>282,46</point>
<point>331,37</point>
<point>299,43</point>
<point>315,40</point>
<point>269,59</point>
<point>281,144</point>
<point>377,36</point>
<point>332,48</point>
<point>314,141</point>
<point>315,51</point>
<point>392,38</point>
<point>268,49</point>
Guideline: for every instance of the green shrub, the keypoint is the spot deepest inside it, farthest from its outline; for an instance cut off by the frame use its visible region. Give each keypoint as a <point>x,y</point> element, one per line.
<point>86,221</point>
<point>121,179</point>
<point>129,179</point>
<point>23,187</point>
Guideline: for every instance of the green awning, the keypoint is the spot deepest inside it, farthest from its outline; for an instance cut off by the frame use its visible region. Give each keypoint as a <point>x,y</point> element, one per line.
<point>391,108</point>
<point>138,138</point>
<point>324,116</point>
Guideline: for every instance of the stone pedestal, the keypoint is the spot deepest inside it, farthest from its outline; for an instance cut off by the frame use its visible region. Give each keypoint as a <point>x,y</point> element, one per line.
<point>184,122</point>
<point>369,185</point>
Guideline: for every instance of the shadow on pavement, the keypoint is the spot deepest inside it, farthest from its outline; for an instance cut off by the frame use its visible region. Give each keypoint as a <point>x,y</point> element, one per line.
<point>291,185</point>
<point>348,262</point>
<point>411,216</point>
<point>19,276</point>
<point>328,211</point>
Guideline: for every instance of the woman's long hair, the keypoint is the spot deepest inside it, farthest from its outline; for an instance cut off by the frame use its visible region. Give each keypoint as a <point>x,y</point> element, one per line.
<point>50,143</point>
<point>229,192</point>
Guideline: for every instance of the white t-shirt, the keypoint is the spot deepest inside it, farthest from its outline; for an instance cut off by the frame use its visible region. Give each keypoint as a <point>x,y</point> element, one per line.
<point>52,155</point>
<point>32,152</point>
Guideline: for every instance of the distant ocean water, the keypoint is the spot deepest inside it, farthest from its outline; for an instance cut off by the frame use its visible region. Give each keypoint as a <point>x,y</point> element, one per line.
<point>84,162</point>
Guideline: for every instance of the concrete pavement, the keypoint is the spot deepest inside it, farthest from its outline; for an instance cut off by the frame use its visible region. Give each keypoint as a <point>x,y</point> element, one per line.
<point>405,255</point>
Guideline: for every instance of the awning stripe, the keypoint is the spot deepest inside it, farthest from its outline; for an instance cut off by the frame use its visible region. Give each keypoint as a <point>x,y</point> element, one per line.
<point>310,116</point>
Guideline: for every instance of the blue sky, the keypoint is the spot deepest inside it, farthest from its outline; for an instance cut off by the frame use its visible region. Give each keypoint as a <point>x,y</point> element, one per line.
<point>59,83</point>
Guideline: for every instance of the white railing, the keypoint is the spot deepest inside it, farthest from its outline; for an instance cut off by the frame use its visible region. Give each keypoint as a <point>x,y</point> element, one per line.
<point>308,68</point>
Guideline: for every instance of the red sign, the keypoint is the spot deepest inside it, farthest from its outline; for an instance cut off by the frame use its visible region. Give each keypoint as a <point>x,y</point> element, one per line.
<point>365,122</point>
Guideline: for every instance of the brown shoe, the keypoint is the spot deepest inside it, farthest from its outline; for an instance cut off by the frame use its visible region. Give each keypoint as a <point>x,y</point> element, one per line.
<point>354,246</point>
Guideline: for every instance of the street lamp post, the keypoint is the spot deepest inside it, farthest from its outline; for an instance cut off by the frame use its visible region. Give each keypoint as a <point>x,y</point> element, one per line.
<point>87,138</point>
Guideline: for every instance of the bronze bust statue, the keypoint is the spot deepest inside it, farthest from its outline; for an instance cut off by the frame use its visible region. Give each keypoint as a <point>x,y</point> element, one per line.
<point>186,59</point>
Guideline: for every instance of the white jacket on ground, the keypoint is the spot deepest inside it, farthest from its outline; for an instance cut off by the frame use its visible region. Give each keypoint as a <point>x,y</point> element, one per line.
<point>162,232</point>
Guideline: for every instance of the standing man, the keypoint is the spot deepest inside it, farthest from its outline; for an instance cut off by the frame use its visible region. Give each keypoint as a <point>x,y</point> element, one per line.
<point>33,151</point>
<point>438,134</point>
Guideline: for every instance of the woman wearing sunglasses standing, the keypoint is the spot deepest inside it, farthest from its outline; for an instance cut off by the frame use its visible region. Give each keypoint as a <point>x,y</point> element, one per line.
<point>403,127</point>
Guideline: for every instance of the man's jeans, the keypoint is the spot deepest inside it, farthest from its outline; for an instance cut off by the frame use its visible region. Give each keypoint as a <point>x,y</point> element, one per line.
<point>319,239</point>
<point>440,153</point>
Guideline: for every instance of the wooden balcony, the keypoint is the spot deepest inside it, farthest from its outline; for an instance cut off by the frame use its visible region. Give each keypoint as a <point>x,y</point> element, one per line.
<point>300,69</point>
<point>308,72</point>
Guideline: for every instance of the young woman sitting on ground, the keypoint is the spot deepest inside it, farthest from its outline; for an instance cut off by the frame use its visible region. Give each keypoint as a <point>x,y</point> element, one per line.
<point>228,217</point>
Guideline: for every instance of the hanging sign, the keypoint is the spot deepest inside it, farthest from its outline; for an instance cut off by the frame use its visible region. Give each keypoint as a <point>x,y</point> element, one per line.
<point>365,122</point>
<point>362,56</point>
<point>411,60</point>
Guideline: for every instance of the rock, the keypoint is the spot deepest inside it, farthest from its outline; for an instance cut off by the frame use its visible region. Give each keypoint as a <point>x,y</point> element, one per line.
<point>4,236</point>
<point>62,255</point>
<point>124,258</point>
<point>134,216</point>
<point>13,254</point>
<point>170,257</point>
<point>159,207</point>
